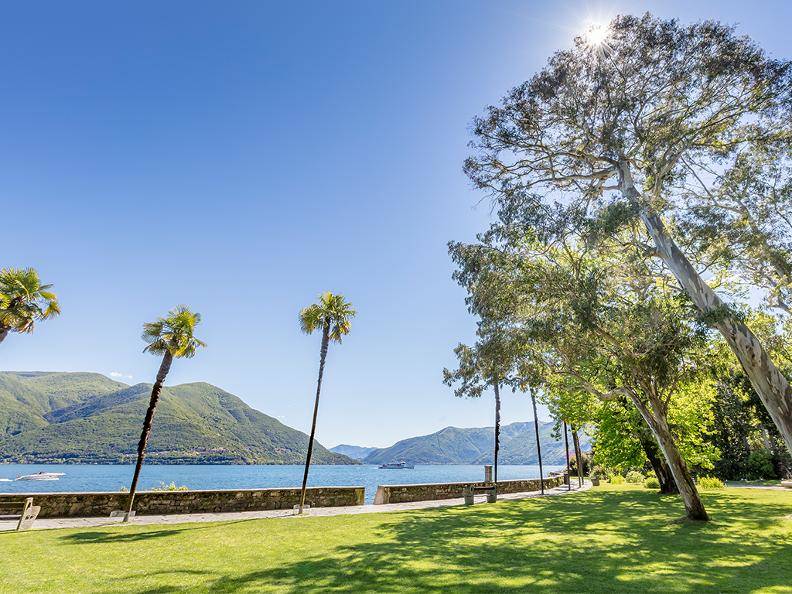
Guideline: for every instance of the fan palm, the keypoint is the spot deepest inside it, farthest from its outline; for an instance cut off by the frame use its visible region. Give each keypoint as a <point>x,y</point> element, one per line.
<point>331,315</point>
<point>24,300</point>
<point>172,337</point>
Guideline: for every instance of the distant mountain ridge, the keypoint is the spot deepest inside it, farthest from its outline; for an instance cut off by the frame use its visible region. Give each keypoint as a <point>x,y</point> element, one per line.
<point>454,445</point>
<point>89,418</point>
<point>353,451</point>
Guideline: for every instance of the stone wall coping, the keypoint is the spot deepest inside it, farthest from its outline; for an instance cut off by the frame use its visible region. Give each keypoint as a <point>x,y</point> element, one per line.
<point>461,484</point>
<point>40,493</point>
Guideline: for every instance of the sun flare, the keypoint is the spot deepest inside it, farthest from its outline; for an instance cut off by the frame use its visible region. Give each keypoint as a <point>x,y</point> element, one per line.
<point>595,33</point>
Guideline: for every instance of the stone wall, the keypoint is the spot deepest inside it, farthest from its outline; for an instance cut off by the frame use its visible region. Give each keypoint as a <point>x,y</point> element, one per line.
<point>71,505</point>
<point>427,492</point>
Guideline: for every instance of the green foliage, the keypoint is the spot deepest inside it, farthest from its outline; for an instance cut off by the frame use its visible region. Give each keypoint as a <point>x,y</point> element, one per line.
<point>634,477</point>
<point>760,465</point>
<point>333,311</point>
<point>173,334</point>
<point>651,483</point>
<point>169,487</point>
<point>710,482</point>
<point>599,472</point>
<point>88,418</point>
<point>616,479</point>
<point>24,300</point>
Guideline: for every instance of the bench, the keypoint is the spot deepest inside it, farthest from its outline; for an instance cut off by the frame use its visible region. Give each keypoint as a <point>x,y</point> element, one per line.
<point>787,484</point>
<point>29,514</point>
<point>469,491</point>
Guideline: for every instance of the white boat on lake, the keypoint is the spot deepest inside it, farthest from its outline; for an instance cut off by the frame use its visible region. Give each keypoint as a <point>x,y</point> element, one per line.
<point>397,465</point>
<point>41,476</point>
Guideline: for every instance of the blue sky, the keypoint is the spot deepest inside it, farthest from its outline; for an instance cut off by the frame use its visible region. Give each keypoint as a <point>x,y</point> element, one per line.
<point>242,157</point>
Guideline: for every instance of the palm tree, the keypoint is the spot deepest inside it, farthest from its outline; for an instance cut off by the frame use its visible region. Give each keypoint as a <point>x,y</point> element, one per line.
<point>24,300</point>
<point>332,314</point>
<point>172,337</point>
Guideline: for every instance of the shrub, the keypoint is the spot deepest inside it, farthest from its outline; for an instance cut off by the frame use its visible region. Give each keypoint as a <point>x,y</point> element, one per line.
<point>710,482</point>
<point>598,472</point>
<point>635,477</point>
<point>760,465</point>
<point>171,487</point>
<point>652,483</point>
<point>616,479</point>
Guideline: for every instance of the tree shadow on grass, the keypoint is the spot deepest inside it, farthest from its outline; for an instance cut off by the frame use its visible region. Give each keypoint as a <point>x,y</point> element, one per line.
<point>120,535</point>
<point>611,541</point>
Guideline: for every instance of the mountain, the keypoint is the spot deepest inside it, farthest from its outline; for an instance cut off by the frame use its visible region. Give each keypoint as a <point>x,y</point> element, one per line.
<point>89,418</point>
<point>353,451</point>
<point>474,446</point>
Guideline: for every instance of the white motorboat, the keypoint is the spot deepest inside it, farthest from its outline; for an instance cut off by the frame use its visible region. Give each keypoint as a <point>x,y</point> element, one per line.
<point>41,476</point>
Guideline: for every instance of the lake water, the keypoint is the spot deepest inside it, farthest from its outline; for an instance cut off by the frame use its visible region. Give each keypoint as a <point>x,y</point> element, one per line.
<point>112,477</point>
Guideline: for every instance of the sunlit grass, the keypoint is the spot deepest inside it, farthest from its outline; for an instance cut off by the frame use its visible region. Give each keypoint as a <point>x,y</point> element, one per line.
<point>620,538</point>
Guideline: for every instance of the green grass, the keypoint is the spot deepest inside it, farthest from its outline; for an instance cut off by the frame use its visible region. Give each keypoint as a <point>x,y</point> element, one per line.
<point>612,538</point>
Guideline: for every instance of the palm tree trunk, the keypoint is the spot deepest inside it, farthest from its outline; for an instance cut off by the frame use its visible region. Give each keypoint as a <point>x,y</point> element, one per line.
<point>322,357</point>
<point>578,456</point>
<point>538,444</point>
<point>658,423</point>
<point>3,333</point>
<point>566,447</point>
<point>497,427</point>
<point>770,384</point>
<point>167,359</point>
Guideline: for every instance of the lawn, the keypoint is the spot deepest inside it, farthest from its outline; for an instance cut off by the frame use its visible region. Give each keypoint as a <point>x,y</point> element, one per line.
<point>611,538</point>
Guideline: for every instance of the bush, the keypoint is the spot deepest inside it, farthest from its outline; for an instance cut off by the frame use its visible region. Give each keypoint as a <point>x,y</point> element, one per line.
<point>616,479</point>
<point>171,487</point>
<point>710,482</point>
<point>635,477</point>
<point>760,465</point>
<point>652,483</point>
<point>598,472</point>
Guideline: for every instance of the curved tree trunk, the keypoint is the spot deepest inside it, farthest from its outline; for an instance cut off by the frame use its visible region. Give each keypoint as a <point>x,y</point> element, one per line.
<point>497,427</point>
<point>770,384</point>
<point>566,448</point>
<point>322,357</point>
<point>167,359</point>
<point>3,333</point>
<point>538,444</point>
<point>578,456</point>
<point>687,488</point>
<point>660,468</point>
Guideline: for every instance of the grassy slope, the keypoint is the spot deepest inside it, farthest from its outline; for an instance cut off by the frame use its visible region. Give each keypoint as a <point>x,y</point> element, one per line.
<point>609,539</point>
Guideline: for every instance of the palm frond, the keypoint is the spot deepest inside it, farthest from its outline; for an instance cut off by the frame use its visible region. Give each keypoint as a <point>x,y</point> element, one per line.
<point>173,333</point>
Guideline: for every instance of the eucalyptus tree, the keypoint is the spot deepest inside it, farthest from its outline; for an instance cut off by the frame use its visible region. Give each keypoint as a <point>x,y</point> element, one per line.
<point>332,315</point>
<point>172,337</point>
<point>602,323</point>
<point>676,128</point>
<point>488,363</point>
<point>24,301</point>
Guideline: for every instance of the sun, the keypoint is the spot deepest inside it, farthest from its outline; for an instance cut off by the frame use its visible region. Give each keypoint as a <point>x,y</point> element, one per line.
<point>596,33</point>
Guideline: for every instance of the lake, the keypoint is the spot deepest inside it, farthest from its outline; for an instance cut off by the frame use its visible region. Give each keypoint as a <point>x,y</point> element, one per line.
<point>111,477</point>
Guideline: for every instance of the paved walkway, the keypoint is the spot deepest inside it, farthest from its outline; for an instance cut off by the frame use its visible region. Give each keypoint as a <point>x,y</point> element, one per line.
<point>50,523</point>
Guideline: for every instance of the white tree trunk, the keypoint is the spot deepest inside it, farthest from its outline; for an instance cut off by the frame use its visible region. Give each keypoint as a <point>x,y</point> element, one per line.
<point>770,384</point>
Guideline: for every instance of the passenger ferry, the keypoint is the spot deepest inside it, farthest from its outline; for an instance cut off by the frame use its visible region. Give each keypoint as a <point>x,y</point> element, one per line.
<point>397,465</point>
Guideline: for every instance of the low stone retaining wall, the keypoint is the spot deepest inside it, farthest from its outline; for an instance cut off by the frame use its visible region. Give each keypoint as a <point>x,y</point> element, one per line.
<point>432,491</point>
<point>83,505</point>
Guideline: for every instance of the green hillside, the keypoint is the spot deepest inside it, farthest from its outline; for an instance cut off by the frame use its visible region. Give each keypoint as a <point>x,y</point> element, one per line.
<point>88,418</point>
<point>474,446</point>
